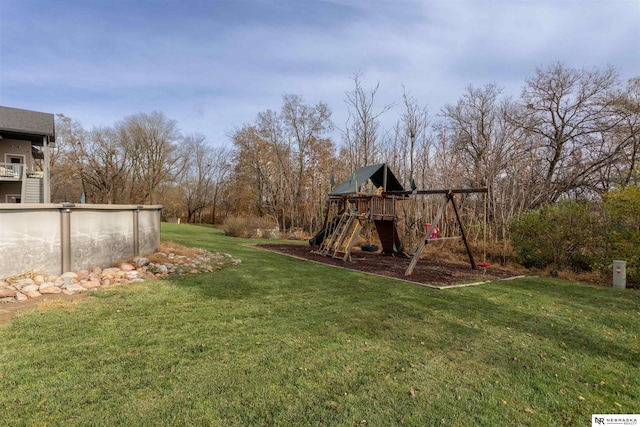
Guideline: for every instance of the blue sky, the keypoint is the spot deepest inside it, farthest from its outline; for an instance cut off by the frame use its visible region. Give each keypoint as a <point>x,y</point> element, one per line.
<point>214,65</point>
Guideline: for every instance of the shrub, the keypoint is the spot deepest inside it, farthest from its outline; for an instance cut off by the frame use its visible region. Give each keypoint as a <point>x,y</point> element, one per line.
<point>252,226</point>
<point>565,235</point>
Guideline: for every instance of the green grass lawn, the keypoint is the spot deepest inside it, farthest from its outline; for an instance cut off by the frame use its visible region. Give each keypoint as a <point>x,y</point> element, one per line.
<point>279,341</point>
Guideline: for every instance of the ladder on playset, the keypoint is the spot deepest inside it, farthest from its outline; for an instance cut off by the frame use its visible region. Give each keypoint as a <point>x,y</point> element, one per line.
<point>341,238</point>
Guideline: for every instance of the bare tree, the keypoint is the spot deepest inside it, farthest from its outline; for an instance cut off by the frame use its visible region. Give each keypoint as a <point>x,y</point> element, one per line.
<point>104,167</point>
<point>472,126</point>
<point>220,172</point>
<point>480,137</point>
<point>256,175</point>
<point>567,114</point>
<point>305,126</point>
<point>627,134</point>
<point>66,172</point>
<point>205,178</point>
<point>270,129</point>
<point>196,181</point>
<point>151,143</point>
<point>413,127</point>
<point>362,129</point>
<point>92,164</point>
<point>281,157</point>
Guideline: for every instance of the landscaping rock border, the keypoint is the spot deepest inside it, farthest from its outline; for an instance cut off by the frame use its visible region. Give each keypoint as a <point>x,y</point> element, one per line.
<point>32,284</point>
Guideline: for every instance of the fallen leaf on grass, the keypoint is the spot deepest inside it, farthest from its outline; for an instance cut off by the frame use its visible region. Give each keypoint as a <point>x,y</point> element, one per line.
<point>412,393</point>
<point>580,398</point>
<point>528,410</point>
<point>617,404</point>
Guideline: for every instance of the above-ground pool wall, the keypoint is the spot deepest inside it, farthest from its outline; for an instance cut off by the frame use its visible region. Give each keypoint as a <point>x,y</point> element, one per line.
<point>149,229</point>
<point>29,239</point>
<point>54,238</point>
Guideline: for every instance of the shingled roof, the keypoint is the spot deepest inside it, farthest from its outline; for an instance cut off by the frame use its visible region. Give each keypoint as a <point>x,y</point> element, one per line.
<point>27,122</point>
<point>375,173</point>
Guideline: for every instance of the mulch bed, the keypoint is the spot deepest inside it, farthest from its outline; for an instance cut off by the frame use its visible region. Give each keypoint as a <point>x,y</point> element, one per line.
<point>429,270</point>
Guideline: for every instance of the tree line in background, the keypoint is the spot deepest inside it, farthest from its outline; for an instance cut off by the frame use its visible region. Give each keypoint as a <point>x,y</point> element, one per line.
<point>572,134</point>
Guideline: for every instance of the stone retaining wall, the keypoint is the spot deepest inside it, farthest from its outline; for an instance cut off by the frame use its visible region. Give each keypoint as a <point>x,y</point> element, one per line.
<point>32,284</point>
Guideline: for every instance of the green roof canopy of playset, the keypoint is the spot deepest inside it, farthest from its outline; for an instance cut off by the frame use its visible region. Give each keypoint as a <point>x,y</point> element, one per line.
<point>380,175</point>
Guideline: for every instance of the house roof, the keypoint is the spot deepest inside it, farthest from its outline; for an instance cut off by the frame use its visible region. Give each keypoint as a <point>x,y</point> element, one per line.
<point>375,173</point>
<point>27,122</point>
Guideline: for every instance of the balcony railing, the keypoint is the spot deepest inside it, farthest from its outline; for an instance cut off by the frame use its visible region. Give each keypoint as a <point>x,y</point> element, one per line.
<point>11,171</point>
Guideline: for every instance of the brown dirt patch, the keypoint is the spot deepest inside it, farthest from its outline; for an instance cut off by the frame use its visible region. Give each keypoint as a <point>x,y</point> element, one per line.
<point>429,271</point>
<point>9,309</point>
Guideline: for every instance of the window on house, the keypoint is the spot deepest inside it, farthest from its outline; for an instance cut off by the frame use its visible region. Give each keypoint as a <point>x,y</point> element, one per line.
<point>15,162</point>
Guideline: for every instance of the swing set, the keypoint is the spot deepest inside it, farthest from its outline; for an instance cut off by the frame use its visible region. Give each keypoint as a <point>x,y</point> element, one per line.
<point>348,210</point>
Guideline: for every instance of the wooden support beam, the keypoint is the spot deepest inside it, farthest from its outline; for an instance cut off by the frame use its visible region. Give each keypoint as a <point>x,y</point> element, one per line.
<point>438,239</point>
<point>449,197</point>
<point>352,241</point>
<point>464,234</point>
<point>444,191</point>
<point>425,240</point>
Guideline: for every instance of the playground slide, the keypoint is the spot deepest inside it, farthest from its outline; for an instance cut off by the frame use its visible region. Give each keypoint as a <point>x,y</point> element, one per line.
<point>319,238</point>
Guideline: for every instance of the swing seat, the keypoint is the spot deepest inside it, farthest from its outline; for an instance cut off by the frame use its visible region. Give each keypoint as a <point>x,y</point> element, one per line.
<point>484,264</point>
<point>435,232</point>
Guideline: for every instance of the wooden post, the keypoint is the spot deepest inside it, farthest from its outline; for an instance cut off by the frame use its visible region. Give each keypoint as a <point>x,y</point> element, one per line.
<point>464,234</point>
<point>352,240</point>
<point>384,178</point>
<point>425,240</point>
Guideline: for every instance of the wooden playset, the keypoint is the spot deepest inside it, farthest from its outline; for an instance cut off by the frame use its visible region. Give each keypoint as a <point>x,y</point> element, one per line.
<point>349,210</point>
